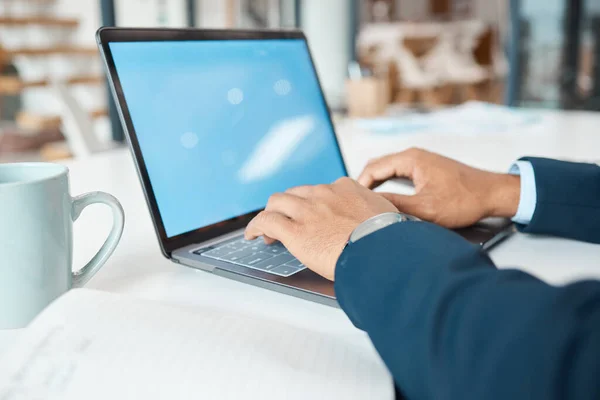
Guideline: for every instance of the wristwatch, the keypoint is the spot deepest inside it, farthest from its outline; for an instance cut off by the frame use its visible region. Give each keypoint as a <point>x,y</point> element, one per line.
<point>376,223</point>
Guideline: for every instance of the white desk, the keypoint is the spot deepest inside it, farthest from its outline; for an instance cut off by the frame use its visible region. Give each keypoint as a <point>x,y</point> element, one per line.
<point>138,269</point>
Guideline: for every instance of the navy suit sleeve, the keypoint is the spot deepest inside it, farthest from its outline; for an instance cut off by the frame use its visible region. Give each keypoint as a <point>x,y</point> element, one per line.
<point>568,200</point>
<point>449,325</point>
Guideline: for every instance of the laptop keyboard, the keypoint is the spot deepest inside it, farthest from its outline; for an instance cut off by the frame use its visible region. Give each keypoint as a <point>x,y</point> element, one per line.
<point>255,254</point>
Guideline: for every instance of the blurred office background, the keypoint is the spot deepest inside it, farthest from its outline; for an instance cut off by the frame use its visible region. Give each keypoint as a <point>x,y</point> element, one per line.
<point>412,54</point>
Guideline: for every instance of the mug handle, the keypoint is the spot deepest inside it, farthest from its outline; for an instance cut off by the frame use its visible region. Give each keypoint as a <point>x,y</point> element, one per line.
<point>82,276</point>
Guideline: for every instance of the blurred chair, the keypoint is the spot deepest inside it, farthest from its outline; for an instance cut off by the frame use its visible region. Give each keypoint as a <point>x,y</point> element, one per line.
<point>414,80</point>
<point>452,58</point>
<point>437,63</point>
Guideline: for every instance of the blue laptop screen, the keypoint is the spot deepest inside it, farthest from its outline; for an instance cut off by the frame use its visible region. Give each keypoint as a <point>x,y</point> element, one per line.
<point>222,125</point>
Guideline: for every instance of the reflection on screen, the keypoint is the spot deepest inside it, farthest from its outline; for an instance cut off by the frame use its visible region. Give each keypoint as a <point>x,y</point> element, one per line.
<point>222,125</point>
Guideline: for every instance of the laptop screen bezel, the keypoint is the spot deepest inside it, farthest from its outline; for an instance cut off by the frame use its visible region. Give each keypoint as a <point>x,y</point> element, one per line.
<point>105,36</point>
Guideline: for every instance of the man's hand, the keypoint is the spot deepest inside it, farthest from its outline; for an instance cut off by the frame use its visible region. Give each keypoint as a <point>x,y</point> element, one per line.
<point>448,193</point>
<point>315,222</point>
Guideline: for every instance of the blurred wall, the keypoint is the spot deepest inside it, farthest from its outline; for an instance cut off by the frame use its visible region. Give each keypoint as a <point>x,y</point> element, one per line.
<point>327,26</point>
<point>166,13</point>
<point>490,11</point>
<point>412,10</point>
<point>486,10</point>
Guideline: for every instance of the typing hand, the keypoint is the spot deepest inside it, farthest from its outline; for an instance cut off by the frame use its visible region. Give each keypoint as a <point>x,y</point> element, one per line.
<point>448,193</point>
<point>315,222</point>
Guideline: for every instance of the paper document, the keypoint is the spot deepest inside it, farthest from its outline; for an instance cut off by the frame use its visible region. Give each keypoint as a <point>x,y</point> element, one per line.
<point>94,345</point>
<point>472,118</point>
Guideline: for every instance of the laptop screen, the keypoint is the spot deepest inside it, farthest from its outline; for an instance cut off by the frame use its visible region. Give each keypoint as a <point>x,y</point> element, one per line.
<point>222,125</point>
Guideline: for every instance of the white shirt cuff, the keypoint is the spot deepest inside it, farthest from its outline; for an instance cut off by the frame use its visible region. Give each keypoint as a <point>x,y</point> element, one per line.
<point>528,197</point>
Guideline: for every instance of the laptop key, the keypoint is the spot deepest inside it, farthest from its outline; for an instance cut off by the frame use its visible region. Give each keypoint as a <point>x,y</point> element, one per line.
<point>254,259</point>
<point>258,247</point>
<point>236,245</point>
<point>276,248</point>
<point>283,258</point>
<point>218,252</point>
<point>285,270</point>
<point>273,262</point>
<point>238,255</point>
<point>295,263</point>
<point>251,242</point>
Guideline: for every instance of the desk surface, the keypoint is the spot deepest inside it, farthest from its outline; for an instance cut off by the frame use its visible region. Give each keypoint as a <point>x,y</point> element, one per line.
<point>138,269</point>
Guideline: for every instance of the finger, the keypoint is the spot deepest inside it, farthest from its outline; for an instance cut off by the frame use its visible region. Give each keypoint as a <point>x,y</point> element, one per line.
<point>290,205</point>
<point>301,191</point>
<point>269,240</point>
<point>378,171</point>
<point>271,225</point>
<point>405,204</point>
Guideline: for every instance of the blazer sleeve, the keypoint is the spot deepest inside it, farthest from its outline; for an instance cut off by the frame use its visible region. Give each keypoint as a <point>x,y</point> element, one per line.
<point>568,200</point>
<point>449,325</point>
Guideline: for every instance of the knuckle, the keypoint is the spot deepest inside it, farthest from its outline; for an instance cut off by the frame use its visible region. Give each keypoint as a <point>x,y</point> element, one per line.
<point>260,218</point>
<point>322,189</point>
<point>414,151</point>
<point>253,226</point>
<point>344,181</point>
<point>419,150</point>
<point>273,200</point>
<point>296,210</point>
<point>372,162</point>
<point>301,190</point>
<point>268,218</point>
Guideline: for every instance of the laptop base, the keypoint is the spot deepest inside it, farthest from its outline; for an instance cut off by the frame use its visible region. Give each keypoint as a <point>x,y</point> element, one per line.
<point>308,285</point>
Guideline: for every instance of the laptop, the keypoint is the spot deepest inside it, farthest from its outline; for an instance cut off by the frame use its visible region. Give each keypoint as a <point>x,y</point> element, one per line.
<point>217,121</point>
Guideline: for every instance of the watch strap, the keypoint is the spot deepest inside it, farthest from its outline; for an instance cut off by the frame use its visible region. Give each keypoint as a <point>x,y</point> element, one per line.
<point>376,223</point>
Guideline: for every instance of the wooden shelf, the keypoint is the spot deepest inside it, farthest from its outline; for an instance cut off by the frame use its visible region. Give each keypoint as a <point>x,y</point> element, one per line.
<point>55,151</point>
<point>10,85</point>
<point>86,80</point>
<point>32,121</point>
<point>27,120</point>
<point>99,113</point>
<point>43,21</point>
<point>54,50</point>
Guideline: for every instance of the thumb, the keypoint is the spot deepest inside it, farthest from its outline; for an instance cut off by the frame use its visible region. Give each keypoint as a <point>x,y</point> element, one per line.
<point>408,204</point>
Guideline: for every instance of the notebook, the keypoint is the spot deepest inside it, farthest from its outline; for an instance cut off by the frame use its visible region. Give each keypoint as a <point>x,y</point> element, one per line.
<point>96,345</point>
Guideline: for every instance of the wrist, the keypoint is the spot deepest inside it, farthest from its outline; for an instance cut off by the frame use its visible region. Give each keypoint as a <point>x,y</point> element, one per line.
<point>503,195</point>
